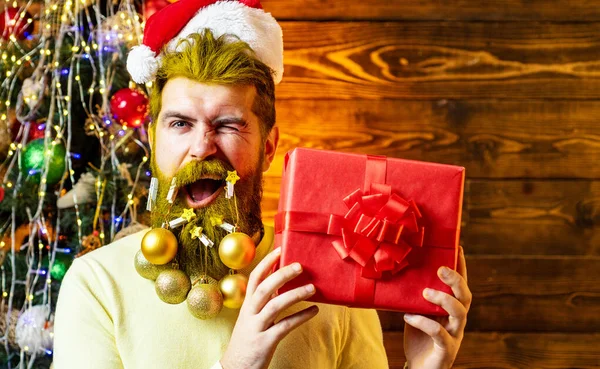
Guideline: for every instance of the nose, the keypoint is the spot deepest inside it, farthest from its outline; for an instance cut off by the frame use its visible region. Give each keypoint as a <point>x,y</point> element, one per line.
<point>204,144</point>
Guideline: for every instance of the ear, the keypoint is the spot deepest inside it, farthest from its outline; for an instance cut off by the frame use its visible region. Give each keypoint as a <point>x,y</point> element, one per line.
<point>271,147</point>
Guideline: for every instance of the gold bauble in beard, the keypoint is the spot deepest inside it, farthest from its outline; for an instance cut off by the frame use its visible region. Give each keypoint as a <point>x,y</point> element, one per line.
<point>237,250</point>
<point>205,301</point>
<point>159,246</point>
<point>172,286</point>
<point>233,287</point>
<point>146,269</point>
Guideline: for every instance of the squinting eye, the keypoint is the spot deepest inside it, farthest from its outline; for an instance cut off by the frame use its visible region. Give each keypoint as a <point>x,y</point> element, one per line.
<point>228,128</point>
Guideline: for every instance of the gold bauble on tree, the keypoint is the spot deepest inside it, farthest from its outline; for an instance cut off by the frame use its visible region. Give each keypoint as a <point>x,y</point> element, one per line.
<point>205,301</point>
<point>146,269</point>
<point>233,288</point>
<point>172,286</point>
<point>237,250</point>
<point>159,246</point>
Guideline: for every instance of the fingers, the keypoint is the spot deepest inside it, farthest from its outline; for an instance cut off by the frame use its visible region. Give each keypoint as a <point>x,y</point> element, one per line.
<point>458,285</point>
<point>447,302</point>
<point>288,324</point>
<point>462,264</point>
<point>279,304</point>
<point>264,291</point>
<point>430,327</point>
<point>262,270</point>
<point>458,313</point>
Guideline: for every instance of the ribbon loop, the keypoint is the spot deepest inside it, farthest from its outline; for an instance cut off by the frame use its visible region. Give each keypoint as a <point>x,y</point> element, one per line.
<point>380,228</point>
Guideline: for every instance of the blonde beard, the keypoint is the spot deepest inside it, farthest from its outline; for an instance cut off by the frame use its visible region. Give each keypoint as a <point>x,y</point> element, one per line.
<point>191,254</point>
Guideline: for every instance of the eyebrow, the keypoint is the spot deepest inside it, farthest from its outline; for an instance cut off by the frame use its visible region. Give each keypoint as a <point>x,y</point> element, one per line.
<point>177,115</point>
<point>226,120</point>
<point>174,114</point>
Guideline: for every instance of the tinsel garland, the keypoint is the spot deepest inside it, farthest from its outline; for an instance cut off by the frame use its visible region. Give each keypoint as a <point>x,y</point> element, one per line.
<point>78,57</point>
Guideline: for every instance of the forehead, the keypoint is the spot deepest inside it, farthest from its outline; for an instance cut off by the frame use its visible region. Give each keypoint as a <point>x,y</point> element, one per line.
<point>207,99</point>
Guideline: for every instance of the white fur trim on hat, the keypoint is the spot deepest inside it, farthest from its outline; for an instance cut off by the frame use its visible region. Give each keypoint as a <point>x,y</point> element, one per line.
<point>142,64</point>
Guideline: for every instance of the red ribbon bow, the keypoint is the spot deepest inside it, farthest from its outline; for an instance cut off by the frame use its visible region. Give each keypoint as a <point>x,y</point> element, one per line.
<point>378,231</point>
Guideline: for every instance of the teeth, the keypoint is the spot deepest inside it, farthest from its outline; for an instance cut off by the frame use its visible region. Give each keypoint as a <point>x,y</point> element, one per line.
<point>204,189</point>
<point>190,192</point>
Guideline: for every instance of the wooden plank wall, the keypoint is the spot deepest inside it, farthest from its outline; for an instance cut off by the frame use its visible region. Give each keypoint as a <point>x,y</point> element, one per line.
<point>509,89</point>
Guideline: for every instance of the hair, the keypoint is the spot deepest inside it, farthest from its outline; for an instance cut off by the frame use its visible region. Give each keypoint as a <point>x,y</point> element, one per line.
<point>225,60</point>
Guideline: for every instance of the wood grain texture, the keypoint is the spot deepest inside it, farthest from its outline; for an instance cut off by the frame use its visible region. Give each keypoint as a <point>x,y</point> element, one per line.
<point>513,350</point>
<point>431,60</point>
<point>516,217</point>
<point>528,294</point>
<point>509,10</point>
<point>532,217</point>
<point>490,138</point>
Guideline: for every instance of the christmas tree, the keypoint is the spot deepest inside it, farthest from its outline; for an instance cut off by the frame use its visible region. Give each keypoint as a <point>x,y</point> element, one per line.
<point>73,153</point>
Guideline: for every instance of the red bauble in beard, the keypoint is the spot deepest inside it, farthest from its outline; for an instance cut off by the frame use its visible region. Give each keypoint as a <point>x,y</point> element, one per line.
<point>199,182</point>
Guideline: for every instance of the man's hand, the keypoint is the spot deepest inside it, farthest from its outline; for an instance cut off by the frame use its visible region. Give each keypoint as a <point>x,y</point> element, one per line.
<point>430,343</point>
<point>255,336</point>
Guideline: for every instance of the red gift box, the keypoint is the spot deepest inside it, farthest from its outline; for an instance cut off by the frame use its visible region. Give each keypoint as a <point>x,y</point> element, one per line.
<point>369,231</point>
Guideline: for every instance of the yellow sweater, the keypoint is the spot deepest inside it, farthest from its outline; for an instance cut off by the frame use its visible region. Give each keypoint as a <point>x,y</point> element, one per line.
<point>108,317</point>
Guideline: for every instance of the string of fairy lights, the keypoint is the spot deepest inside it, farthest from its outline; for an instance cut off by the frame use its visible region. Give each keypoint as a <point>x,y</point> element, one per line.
<point>59,26</point>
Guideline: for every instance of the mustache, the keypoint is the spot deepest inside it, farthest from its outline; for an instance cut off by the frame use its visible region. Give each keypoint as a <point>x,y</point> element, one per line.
<point>196,170</point>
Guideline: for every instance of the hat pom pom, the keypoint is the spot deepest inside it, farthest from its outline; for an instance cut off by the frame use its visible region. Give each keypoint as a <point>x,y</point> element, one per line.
<point>142,64</point>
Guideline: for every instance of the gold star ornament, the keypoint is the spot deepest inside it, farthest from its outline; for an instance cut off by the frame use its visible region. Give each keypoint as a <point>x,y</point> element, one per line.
<point>232,177</point>
<point>188,214</point>
<point>216,221</point>
<point>196,233</point>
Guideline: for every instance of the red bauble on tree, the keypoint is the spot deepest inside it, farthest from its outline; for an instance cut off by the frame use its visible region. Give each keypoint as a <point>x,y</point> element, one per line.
<point>36,130</point>
<point>14,23</point>
<point>129,107</point>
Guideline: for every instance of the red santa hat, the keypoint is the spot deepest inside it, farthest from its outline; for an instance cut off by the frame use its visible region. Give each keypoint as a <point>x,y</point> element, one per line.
<point>242,18</point>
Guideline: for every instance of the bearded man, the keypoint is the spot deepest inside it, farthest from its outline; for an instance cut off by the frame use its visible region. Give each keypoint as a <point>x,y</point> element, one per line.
<point>212,108</point>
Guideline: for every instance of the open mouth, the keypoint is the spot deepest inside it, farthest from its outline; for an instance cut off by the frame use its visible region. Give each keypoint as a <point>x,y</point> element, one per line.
<point>204,191</point>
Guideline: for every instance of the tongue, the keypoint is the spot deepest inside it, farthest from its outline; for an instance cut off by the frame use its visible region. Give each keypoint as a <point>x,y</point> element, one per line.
<point>203,188</point>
